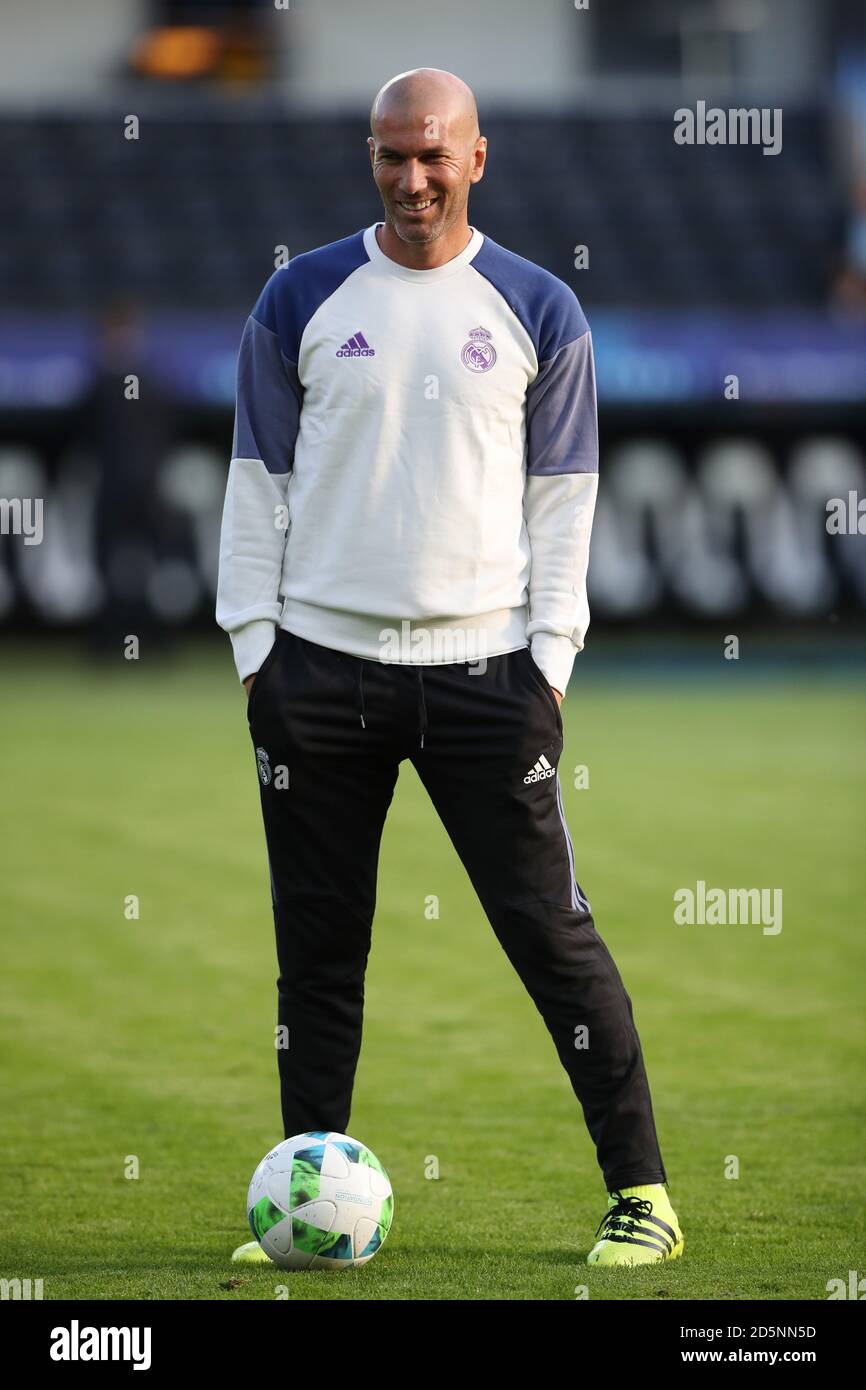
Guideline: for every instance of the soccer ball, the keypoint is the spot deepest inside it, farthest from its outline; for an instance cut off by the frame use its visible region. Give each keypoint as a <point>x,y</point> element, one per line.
<point>320,1201</point>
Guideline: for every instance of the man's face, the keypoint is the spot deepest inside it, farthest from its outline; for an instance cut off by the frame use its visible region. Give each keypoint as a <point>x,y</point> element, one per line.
<point>423,171</point>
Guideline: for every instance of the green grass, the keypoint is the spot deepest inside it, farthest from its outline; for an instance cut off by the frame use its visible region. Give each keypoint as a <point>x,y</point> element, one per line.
<point>154,1037</point>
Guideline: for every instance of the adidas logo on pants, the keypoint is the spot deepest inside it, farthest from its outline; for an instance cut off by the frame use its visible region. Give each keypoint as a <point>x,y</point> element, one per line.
<point>541,770</point>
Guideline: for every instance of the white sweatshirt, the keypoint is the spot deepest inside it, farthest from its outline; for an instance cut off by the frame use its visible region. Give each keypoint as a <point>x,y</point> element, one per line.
<point>415,461</point>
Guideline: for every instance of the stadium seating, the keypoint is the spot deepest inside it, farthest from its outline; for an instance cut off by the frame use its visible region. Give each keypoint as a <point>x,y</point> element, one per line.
<point>188,214</point>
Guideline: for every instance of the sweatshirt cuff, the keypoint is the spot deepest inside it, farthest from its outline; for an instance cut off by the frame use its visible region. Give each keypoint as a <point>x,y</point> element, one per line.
<point>251,644</point>
<point>554,656</point>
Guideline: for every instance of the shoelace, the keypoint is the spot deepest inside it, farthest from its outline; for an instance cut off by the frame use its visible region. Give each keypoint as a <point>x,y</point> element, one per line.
<point>625,1212</point>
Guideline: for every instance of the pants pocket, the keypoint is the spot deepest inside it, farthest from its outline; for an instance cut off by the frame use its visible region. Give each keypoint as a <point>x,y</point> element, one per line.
<point>262,672</point>
<point>544,685</point>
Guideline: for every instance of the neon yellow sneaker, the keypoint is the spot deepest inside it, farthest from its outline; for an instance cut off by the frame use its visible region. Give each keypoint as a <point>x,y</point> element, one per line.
<point>251,1253</point>
<point>640,1228</point>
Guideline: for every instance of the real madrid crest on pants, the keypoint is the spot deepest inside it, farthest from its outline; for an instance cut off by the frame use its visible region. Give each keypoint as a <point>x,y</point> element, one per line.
<point>264,766</point>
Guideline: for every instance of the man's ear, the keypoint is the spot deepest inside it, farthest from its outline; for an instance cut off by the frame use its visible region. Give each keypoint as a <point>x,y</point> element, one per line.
<point>478,165</point>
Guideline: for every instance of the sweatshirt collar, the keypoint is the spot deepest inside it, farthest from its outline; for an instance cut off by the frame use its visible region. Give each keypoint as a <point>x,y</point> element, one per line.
<point>421,277</point>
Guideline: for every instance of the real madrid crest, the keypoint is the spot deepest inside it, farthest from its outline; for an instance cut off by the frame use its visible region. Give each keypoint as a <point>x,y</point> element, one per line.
<point>478,354</point>
<point>264,766</point>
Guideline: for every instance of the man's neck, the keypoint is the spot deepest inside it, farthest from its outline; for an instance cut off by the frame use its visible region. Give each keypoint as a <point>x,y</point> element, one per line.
<point>423,255</point>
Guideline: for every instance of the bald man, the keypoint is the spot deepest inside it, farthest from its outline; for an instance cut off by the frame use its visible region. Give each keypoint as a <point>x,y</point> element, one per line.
<point>403,576</point>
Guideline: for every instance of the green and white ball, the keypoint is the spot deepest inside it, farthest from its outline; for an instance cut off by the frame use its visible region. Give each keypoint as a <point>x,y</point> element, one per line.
<point>320,1201</point>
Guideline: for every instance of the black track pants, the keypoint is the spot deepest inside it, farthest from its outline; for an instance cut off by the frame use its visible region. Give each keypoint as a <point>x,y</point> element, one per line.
<point>329,732</point>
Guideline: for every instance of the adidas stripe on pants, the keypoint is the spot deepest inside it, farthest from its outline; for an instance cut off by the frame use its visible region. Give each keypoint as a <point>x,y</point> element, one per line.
<point>485,744</point>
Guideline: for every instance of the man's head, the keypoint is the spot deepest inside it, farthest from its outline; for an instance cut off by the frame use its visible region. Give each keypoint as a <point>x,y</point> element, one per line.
<point>425,148</point>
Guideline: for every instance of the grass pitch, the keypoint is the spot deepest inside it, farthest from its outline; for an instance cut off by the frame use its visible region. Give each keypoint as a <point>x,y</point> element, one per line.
<point>153,1038</point>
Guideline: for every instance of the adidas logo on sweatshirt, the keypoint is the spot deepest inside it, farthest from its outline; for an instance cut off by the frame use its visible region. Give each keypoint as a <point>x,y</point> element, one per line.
<point>356,346</point>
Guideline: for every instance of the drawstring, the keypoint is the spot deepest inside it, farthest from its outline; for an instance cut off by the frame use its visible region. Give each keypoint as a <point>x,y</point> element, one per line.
<point>422,705</point>
<point>361,691</point>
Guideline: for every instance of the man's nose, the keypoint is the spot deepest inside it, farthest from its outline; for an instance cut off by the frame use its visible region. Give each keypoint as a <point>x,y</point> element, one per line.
<point>413,179</point>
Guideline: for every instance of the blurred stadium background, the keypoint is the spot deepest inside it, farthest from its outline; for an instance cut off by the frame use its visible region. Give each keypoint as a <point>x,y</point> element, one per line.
<point>144,255</point>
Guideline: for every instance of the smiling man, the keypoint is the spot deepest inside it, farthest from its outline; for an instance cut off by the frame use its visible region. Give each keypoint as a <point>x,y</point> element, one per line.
<point>425,189</point>
<point>403,576</point>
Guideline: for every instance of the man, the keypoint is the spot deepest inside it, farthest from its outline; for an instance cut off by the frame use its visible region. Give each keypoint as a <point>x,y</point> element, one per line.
<point>134,530</point>
<point>402,573</point>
